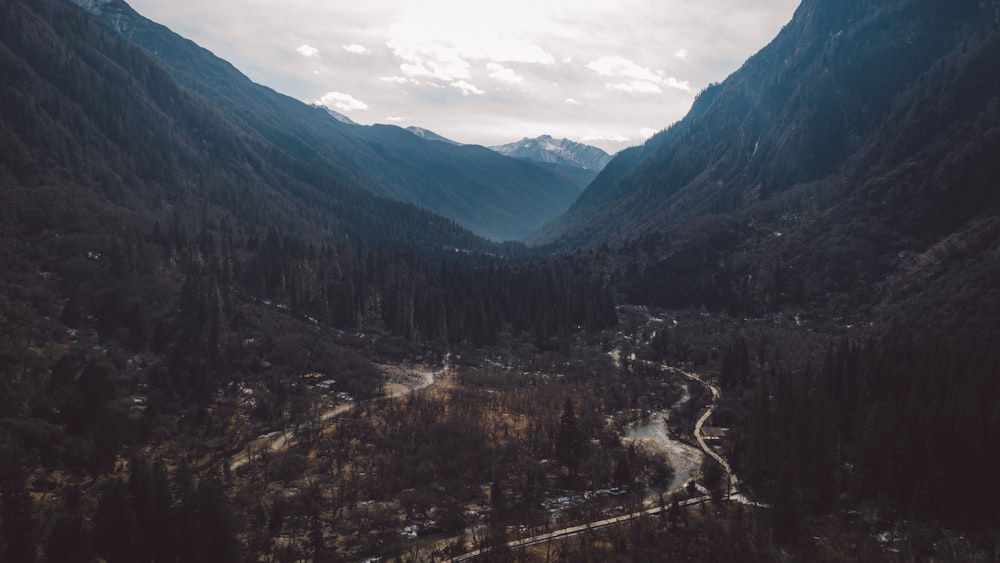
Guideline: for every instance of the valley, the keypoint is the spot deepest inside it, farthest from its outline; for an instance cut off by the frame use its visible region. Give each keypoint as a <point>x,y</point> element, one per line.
<point>428,533</point>
<point>236,327</point>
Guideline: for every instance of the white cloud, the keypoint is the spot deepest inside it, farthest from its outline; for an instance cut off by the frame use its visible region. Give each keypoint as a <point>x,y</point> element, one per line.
<point>635,87</point>
<point>516,51</point>
<point>503,73</point>
<point>431,60</point>
<point>572,102</point>
<point>678,84</point>
<point>397,79</point>
<point>446,41</point>
<point>643,80</point>
<point>624,68</point>
<point>467,88</point>
<point>612,138</point>
<point>307,50</point>
<point>681,54</point>
<point>503,32</point>
<point>356,49</point>
<point>647,132</point>
<point>394,118</point>
<point>341,101</point>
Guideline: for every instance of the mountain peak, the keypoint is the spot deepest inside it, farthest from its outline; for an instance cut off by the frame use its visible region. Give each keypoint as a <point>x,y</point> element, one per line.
<point>336,115</point>
<point>429,135</point>
<point>549,150</point>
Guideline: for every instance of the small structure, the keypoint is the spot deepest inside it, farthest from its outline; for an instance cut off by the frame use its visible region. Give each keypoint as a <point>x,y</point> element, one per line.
<point>713,433</point>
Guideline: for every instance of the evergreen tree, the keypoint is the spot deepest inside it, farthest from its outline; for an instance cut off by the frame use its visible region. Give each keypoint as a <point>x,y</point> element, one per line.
<point>569,441</point>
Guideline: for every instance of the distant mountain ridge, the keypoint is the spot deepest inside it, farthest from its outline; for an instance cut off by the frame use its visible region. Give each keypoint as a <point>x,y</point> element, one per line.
<point>429,135</point>
<point>336,115</point>
<point>491,195</point>
<point>563,152</point>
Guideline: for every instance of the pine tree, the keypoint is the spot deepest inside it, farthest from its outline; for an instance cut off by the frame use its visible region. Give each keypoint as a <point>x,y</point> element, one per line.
<point>569,441</point>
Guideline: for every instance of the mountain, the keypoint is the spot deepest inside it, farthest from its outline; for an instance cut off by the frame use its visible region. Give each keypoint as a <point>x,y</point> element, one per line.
<point>847,165</point>
<point>496,197</point>
<point>429,135</point>
<point>581,177</point>
<point>563,152</point>
<point>336,115</point>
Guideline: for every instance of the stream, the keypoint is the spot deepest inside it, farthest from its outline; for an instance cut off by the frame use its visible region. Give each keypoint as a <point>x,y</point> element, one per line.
<point>652,432</point>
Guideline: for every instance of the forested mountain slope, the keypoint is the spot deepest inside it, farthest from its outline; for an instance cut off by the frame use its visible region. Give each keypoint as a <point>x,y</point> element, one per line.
<point>495,197</point>
<point>849,163</point>
<point>157,255</point>
<point>89,120</point>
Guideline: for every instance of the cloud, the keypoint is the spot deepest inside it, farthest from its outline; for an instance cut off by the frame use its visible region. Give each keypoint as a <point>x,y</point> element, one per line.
<point>643,80</point>
<point>356,49</point>
<point>515,51</point>
<point>307,50</point>
<point>572,102</point>
<point>394,118</point>
<point>635,87</point>
<point>624,68</point>
<point>647,132</point>
<point>612,138</point>
<point>467,88</point>
<point>503,73</point>
<point>398,79</point>
<point>678,84</point>
<point>431,60</point>
<point>636,45</point>
<point>681,54</point>
<point>341,101</point>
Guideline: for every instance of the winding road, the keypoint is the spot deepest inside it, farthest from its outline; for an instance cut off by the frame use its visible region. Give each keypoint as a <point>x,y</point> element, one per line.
<point>700,436</point>
<point>608,522</point>
<point>280,440</point>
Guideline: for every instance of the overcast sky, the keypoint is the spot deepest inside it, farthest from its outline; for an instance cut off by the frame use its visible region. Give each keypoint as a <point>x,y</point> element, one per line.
<point>609,73</point>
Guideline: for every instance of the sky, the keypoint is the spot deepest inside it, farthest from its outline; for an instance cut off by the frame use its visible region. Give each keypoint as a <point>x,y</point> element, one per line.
<point>609,73</point>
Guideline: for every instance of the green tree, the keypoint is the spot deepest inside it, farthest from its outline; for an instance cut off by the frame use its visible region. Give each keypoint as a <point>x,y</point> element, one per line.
<point>569,441</point>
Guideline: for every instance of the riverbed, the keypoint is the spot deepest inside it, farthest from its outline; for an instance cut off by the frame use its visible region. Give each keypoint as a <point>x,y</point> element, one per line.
<point>653,433</point>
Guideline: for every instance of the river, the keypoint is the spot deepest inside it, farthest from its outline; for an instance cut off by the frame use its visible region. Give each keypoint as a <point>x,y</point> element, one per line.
<point>652,432</point>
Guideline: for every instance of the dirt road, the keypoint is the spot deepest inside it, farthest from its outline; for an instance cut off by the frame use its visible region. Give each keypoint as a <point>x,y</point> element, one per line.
<point>280,440</point>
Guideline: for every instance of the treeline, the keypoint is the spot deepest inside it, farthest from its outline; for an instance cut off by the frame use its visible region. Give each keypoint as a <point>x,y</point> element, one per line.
<point>905,425</point>
<point>174,313</point>
<point>356,287</point>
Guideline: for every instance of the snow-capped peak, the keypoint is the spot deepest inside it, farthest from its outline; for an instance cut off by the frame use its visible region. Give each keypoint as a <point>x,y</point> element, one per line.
<point>558,151</point>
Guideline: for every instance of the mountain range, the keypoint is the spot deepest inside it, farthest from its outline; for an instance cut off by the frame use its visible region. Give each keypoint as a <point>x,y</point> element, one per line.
<point>577,161</point>
<point>846,165</point>
<point>495,197</point>
<point>563,152</point>
<point>189,260</point>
